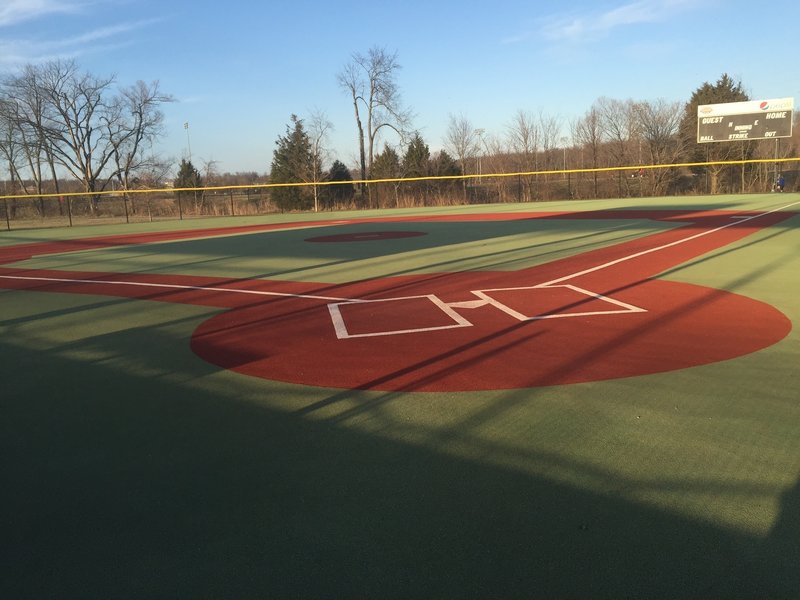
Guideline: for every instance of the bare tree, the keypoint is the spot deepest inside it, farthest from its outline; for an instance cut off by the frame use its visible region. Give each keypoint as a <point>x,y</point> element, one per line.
<point>549,128</point>
<point>495,155</point>
<point>66,117</point>
<point>523,141</point>
<point>135,122</point>
<point>25,111</point>
<point>210,173</point>
<point>10,148</point>
<point>587,133</point>
<point>10,143</point>
<point>370,81</point>
<point>463,141</point>
<point>77,121</point>
<point>318,128</point>
<point>619,126</point>
<point>659,126</point>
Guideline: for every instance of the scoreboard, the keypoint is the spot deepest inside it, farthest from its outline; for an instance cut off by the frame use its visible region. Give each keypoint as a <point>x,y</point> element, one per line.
<point>752,120</point>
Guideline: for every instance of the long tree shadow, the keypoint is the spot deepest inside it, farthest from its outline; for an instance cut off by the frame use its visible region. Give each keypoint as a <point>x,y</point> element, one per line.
<point>123,485</point>
<point>126,486</point>
<point>217,252</point>
<point>782,548</point>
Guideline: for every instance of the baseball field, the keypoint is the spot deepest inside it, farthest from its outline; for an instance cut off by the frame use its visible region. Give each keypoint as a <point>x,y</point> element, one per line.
<point>582,399</point>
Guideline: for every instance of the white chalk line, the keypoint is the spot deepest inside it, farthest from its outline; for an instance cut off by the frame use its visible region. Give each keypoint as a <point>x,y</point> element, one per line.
<point>176,286</point>
<point>737,221</point>
<point>485,298</point>
<point>448,308</point>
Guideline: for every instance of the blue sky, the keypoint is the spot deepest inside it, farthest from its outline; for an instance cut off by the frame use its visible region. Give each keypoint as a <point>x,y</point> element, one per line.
<point>238,69</point>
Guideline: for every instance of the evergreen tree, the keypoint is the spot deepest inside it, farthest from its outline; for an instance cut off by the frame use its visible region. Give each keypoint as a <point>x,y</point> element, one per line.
<point>342,193</point>
<point>293,162</point>
<point>188,176</point>
<point>442,164</point>
<point>416,162</point>
<point>723,91</point>
<point>387,164</point>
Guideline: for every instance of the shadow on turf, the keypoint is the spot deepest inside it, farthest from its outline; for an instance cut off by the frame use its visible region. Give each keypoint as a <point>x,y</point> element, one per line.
<point>129,487</point>
<point>287,245</point>
<point>125,486</point>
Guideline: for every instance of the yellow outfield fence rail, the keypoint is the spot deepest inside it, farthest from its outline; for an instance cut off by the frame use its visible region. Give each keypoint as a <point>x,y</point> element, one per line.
<point>472,176</point>
<point>170,202</point>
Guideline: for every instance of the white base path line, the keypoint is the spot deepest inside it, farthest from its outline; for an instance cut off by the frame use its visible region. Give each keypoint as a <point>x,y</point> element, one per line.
<point>623,307</point>
<point>176,286</point>
<point>743,219</point>
<point>553,282</point>
<point>342,332</point>
<point>484,297</point>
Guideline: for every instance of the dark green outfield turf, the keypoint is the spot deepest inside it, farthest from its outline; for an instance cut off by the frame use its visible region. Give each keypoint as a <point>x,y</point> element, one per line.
<point>130,468</point>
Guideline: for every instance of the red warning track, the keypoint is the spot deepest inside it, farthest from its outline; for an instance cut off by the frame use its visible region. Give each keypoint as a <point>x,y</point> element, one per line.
<point>599,315</point>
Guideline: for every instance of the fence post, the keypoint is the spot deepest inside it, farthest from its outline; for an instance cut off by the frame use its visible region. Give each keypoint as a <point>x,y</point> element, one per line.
<point>233,212</point>
<point>8,220</point>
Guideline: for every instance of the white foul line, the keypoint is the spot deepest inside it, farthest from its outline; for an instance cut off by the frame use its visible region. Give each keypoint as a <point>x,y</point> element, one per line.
<point>738,221</point>
<point>175,286</point>
<point>460,322</point>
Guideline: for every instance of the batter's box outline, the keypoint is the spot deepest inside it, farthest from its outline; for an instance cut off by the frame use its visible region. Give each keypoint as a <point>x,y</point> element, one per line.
<point>484,299</point>
<point>343,333</point>
<point>622,307</point>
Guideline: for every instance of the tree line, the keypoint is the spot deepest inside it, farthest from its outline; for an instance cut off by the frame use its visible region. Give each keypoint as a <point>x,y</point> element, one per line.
<point>57,119</point>
<point>611,133</point>
<point>62,128</point>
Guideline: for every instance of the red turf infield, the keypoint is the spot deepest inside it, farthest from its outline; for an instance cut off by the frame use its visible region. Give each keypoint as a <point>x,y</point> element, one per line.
<point>594,316</point>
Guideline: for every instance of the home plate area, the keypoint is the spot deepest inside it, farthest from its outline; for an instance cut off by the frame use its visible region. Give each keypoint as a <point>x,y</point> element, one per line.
<point>415,314</point>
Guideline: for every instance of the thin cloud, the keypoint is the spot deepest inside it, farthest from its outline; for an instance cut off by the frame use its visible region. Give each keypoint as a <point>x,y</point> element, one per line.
<point>103,39</point>
<point>594,26</point>
<point>19,11</point>
<point>518,38</point>
<point>104,33</point>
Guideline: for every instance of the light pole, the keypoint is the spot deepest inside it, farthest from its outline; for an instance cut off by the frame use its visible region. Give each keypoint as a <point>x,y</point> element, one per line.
<point>188,143</point>
<point>479,133</point>
<point>189,150</point>
<point>569,177</point>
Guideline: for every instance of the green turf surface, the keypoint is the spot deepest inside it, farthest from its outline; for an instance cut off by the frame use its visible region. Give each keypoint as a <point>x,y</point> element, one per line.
<point>445,247</point>
<point>133,469</point>
<point>730,202</point>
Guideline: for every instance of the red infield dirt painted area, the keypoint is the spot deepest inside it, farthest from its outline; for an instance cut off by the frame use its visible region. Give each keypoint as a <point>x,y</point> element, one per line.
<point>595,316</point>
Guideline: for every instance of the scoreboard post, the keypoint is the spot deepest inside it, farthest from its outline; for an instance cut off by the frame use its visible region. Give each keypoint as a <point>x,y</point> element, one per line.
<point>739,121</point>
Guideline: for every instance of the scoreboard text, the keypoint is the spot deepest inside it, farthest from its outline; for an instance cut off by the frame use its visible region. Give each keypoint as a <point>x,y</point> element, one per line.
<point>737,121</point>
